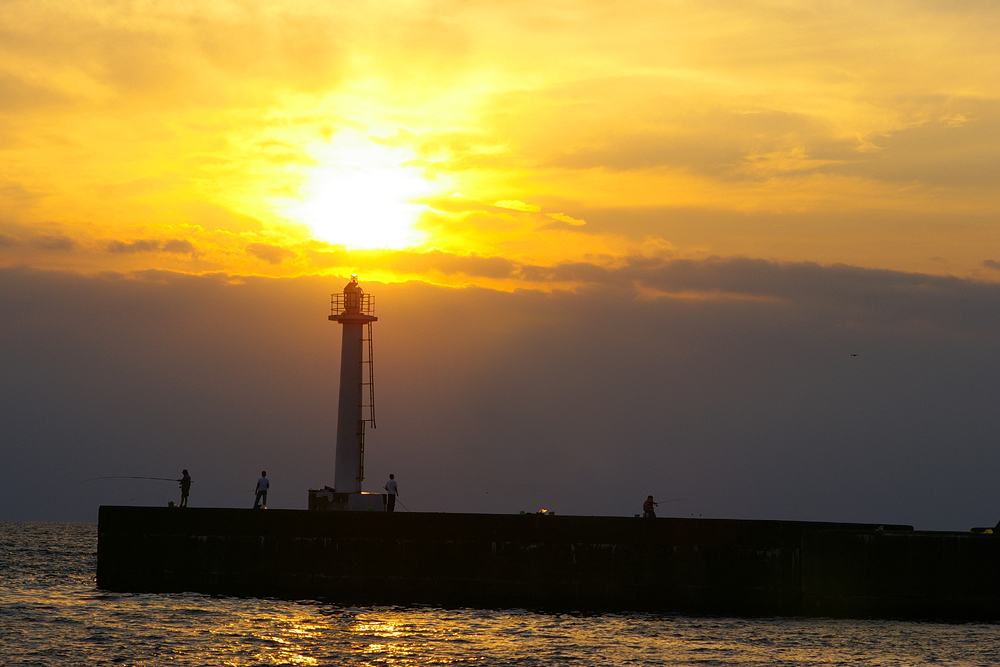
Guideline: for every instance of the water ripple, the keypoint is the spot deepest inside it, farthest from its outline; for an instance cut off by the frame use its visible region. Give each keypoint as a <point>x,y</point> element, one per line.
<point>52,614</point>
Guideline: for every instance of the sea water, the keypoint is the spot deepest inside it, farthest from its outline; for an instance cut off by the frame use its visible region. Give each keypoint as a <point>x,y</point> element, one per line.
<point>51,613</point>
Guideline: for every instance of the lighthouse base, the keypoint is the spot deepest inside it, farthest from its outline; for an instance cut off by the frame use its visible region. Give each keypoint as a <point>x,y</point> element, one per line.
<point>328,499</point>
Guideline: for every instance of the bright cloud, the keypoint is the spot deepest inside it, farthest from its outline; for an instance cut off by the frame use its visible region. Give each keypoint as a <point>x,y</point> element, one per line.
<point>765,129</point>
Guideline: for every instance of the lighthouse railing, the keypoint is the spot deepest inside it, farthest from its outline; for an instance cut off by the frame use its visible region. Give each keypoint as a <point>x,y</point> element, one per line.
<point>339,303</point>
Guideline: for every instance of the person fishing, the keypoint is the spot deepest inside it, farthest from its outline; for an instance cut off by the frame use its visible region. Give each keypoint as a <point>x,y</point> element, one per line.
<point>185,484</point>
<point>392,490</point>
<point>647,508</point>
<point>260,500</point>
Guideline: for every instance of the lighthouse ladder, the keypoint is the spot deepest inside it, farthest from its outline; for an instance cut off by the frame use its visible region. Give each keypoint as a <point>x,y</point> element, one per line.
<point>370,405</point>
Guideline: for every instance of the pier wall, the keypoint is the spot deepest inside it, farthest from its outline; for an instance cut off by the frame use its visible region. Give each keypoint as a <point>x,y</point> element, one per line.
<point>702,566</point>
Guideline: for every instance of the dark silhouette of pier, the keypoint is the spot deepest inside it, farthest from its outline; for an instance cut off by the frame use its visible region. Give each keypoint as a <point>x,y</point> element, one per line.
<point>700,566</point>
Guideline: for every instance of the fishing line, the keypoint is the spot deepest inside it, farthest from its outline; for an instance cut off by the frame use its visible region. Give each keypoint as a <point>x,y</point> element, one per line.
<point>162,479</point>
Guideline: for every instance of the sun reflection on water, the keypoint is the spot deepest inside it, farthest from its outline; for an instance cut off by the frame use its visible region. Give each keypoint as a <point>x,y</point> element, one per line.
<point>52,615</point>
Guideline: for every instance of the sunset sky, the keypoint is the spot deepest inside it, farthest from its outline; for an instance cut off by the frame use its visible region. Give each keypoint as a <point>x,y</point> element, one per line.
<point>298,138</point>
<point>793,179</point>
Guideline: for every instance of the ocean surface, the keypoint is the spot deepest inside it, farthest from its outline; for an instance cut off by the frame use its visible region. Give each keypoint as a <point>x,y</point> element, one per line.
<point>51,613</point>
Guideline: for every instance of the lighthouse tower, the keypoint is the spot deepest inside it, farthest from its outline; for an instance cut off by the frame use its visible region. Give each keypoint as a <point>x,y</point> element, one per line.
<point>355,311</point>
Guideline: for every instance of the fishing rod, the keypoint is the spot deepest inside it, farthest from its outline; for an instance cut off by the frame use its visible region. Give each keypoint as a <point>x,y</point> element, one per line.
<point>401,504</point>
<point>161,479</point>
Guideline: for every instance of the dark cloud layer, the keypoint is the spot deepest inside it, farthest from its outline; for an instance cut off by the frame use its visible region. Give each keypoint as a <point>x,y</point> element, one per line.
<point>54,242</point>
<point>738,393</point>
<point>271,254</point>
<point>177,246</point>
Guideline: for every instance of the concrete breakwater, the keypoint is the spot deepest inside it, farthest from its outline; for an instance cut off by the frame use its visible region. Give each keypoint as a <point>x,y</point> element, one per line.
<point>701,566</point>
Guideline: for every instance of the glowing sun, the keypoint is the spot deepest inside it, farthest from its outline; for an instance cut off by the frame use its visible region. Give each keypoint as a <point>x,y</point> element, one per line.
<point>361,195</point>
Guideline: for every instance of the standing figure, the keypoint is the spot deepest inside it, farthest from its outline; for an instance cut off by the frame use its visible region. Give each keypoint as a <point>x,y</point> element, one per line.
<point>262,484</point>
<point>392,491</point>
<point>647,508</point>
<point>185,487</point>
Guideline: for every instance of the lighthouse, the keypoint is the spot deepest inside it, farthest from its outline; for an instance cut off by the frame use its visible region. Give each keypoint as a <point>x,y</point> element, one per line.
<point>355,310</point>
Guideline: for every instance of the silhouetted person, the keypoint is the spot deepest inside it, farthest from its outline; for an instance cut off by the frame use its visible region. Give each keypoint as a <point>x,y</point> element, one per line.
<point>392,490</point>
<point>185,487</point>
<point>647,508</point>
<point>262,485</point>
